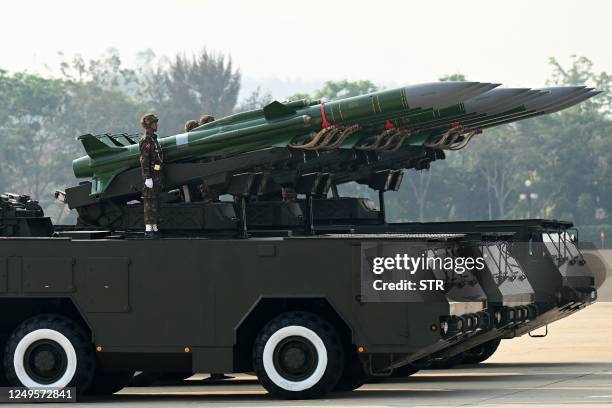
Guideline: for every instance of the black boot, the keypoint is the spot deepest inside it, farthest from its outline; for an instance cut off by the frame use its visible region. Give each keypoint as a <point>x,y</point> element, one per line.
<point>149,235</point>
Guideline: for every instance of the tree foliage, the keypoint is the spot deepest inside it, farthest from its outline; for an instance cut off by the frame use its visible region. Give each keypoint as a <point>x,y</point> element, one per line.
<point>189,87</point>
<point>256,100</point>
<point>453,77</point>
<point>333,90</point>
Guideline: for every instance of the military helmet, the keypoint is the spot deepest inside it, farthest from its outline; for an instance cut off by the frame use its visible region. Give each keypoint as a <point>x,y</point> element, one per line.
<point>206,119</point>
<point>190,125</point>
<point>147,119</point>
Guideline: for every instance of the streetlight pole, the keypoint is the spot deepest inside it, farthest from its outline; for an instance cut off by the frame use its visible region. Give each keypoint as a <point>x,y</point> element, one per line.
<point>528,195</point>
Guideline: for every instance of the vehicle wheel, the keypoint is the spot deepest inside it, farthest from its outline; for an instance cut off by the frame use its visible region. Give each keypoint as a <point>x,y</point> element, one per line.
<point>298,355</point>
<point>353,376</point>
<point>49,351</point>
<point>404,371</point>
<point>482,352</point>
<point>109,382</point>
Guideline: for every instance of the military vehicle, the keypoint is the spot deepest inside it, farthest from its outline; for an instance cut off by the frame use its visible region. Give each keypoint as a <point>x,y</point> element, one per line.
<point>279,284</point>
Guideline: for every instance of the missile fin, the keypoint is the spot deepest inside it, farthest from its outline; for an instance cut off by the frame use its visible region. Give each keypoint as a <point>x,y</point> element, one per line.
<point>97,148</point>
<point>100,182</point>
<point>277,110</point>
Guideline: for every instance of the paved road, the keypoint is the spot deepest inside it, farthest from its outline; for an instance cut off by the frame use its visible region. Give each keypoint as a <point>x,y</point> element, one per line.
<point>572,367</point>
<point>493,384</point>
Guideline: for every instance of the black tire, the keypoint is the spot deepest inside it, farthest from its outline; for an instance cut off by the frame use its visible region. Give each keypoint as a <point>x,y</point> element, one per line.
<point>353,376</point>
<point>109,382</point>
<point>298,355</point>
<point>481,353</point>
<point>49,351</point>
<point>405,371</point>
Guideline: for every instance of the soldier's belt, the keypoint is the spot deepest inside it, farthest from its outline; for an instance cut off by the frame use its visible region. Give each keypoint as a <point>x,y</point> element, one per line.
<point>157,167</point>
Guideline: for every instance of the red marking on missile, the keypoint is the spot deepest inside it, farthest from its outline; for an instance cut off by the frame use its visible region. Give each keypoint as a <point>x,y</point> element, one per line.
<point>389,125</point>
<point>324,122</point>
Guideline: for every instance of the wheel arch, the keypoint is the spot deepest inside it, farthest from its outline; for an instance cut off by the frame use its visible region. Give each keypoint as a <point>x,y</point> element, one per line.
<point>266,308</point>
<point>22,308</point>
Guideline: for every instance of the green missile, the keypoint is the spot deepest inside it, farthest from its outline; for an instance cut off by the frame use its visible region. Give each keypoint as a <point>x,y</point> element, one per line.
<point>492,108</point>
<point>276,125</point>
<point>477,107</point>
<point>548,100</point>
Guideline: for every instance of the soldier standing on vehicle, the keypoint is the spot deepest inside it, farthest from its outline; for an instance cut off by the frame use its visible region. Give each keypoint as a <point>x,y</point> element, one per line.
<point>151,159</point>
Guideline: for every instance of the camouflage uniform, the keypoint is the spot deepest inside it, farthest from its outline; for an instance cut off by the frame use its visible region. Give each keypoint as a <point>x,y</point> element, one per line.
<point>151,159</point>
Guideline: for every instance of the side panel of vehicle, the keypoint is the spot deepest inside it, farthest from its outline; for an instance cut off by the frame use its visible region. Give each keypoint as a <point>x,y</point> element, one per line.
<point>180,302</point>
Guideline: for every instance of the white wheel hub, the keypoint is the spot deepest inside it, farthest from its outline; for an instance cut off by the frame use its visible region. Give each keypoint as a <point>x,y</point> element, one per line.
<point>268,358</point>
<point>49,335</point>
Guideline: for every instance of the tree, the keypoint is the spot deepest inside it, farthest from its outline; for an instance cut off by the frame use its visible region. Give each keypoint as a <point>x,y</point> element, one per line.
<point>344,89</point>
<point>106,72</point>
<point>41,118</point>
<point>256,100</point>
<point>30,104</point>
<point>580,72</point>
<point>503,159</point>
<point>189,87</point>
<point>333,90</point>
<point>453,77</point>
<point>575,149</point>
<point>419,183</point>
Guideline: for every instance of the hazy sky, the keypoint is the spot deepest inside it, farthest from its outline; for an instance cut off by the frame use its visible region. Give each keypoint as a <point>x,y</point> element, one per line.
<point>391,42</point>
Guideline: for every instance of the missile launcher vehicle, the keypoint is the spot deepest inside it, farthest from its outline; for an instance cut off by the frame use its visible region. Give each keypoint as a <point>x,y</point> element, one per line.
<point>282,276</point>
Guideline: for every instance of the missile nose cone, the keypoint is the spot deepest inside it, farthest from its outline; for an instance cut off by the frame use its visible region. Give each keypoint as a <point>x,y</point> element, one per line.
<point>475,90</point>
<point>493,98</point>
<point>554,96</point>
<point>438,94</point>
<point>574,100</point>
<point>489,87</point>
